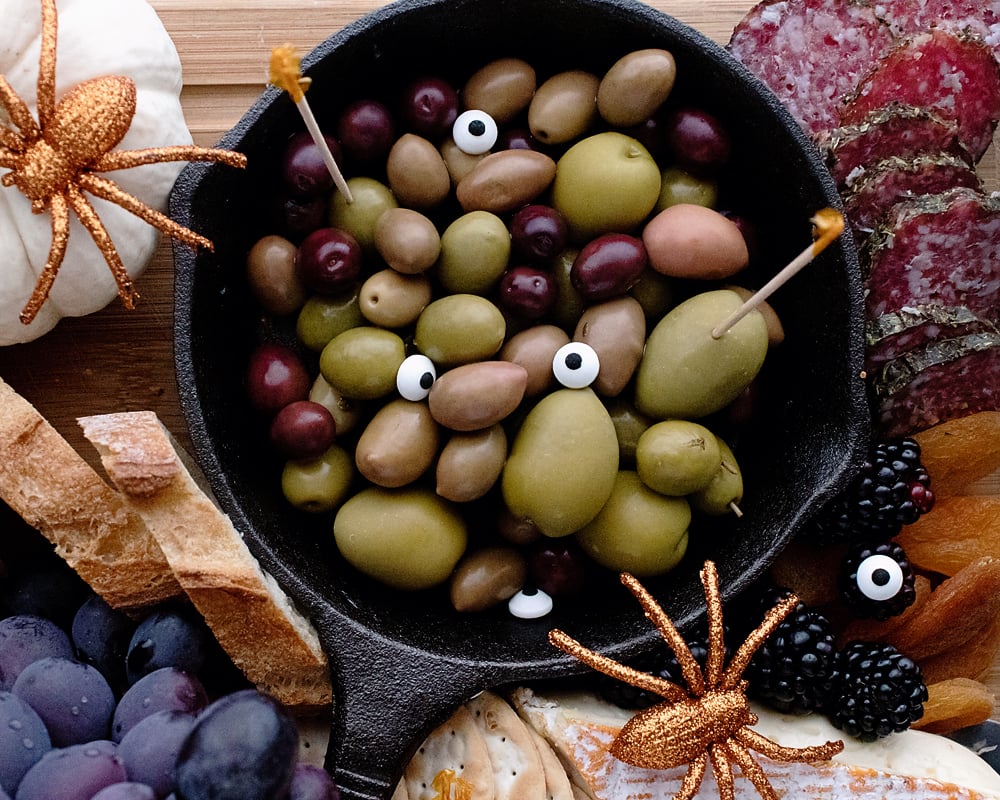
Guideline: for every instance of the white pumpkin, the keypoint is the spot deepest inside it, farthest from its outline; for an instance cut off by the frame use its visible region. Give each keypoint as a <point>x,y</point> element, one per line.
<point>95,38</point>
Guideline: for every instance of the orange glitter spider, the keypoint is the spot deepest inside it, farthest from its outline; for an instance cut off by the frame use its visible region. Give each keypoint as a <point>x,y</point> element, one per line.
<point>709,722</point>
<point>53,162</point>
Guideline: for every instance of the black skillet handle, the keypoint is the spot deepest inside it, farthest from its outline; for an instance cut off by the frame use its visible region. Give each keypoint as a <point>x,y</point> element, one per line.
<point>387,698</point>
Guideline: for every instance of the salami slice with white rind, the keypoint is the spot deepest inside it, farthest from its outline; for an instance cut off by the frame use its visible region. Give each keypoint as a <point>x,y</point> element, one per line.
<point>810,53</point>
<point>955,74</point>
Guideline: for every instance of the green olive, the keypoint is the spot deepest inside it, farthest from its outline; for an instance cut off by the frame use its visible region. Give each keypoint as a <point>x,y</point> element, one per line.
<point>487,577</point>
<point>273,277</point>
<point>638,530</point>
<point>569,302</point>
<point>346,411</point>
<point>318,484</point>
<point>678,186</point>
<point>677,457</point>
<point>362,362</point>
<point>390,299</point>
<point>629,426</point>
<point>406,538</point>
<point>475,249</point>
<point>360,217</point>
<point>724,491</point>
<point>655,293</point>
<point>459,329</point>
<point>323,317</point>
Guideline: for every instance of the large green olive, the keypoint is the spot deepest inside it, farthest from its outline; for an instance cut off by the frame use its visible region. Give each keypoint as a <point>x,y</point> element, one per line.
<point>398,445</point>
<point>360,217</point>
<point>405,538</point>
<point>635,86</point>
<point>687,373</point>
<point>459,329</point>
<point>471,463</point>
<point>677,457</point>
<point>563,107</point>
<point>487,577</point>
<point>318,484</point>
<point>417,173</point>
<point>475,249</point>
<point>563,462</point>
<point>322,317</point>
<point>605,183</point>
<point>502,88</point>
<point>362,362</point>
<point>638,530</point>
<point>391,299</point>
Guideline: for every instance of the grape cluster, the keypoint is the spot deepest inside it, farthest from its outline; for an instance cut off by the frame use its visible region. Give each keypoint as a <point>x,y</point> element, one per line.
<point>95,705</point>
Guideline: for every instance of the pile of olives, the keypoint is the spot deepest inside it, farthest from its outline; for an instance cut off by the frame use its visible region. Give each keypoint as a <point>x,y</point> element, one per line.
<point>503,375</point>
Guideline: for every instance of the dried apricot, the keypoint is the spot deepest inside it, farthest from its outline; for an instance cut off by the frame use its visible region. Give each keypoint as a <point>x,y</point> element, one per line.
<point>960,451</point>
<point>954,704</point>
<point>973,660</point>
<point>958,531</point>
<point>871,630</point>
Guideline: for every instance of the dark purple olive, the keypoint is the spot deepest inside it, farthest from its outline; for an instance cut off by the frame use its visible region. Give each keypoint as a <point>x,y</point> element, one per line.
<point>749,231</point>
<point>698,140</point>
<point>429,108</point>
<point>303,170</point>
<point>329,260</point>
<point>276,377</point>
<point>650,134</point>
<point>366,130</point>
<point>538,233</point>
<point>515,139</point>
<point>303,429</point>
<point>297,217</point>
<point>528,292</point>
<point>608,266</point>
<point>558,568</point>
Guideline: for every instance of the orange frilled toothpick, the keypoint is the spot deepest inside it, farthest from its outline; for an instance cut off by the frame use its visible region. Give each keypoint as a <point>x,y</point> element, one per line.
<point>286,74</point>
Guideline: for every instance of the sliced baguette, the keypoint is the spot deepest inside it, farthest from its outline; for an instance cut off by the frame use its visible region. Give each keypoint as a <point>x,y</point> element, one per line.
<point>253,619</point>
<point>49,484</point>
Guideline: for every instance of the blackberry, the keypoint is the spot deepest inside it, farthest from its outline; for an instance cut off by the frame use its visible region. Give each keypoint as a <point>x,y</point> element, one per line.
<point>789,672</point>
<point>874,691</point>
<point>877,581</point>
<point>892,490</point>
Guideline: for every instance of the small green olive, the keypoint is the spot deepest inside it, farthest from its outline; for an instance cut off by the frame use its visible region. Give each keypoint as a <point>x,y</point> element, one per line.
<point>724,491</point>
<point>346,411</point>
<point>475,249</point>
<point>360,217</point>
<point>459,329</point>
<point>323,317</point>
<point>318,484</point>
<point>678,186</point>
<point>362,362</point>
<point>677,457</point>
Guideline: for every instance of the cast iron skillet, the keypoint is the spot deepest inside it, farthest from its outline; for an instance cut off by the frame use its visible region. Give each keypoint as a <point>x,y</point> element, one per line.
<point>401,663</point>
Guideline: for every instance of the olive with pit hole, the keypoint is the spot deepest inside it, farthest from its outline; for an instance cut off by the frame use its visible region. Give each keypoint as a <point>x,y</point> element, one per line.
<point>406,538</point>
<point>638,530</point>
<point>322,317</point>
<point>564,107</point>
<point>691,241</point>
<point>371,198</point>
<point>533,348</point>
<point>398,445</point>
<point>616,329</point>
<point>686,372</point>
<point>608,266</point>
<point>502,88</point>
<point>677,457</point>
<point>273,277</point>
<point>723,493</point>
<point>391,299</point>
<point>474,396</point>
<point>407,240</point>
<point>362,362</point>
<point>459,329</point>
<point>635,86</point>
<point>318,484</point>
<point>487,577</point>
<point>346,411</point>
<point>475,249</point>
<point>470,464</point>
<point>505,180</point>
<point>416,172</point>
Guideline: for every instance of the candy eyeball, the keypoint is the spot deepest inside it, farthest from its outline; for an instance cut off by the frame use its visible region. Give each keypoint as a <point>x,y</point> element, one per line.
<point>415,377</point>
<point>530,604</point>
<point>475,132</point>
<point>880,577</point>
<point>576,365</point>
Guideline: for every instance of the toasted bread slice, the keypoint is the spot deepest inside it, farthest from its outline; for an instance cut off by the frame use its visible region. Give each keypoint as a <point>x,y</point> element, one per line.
<point>55,490</point>
<point>253,619</point>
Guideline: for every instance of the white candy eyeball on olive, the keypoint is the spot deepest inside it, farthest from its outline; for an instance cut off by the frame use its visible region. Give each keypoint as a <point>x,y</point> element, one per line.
<point>880,577</point>
<point>415,377</point>
<point>576,365</point>
<point>475,132</point>
<point>530,604</point>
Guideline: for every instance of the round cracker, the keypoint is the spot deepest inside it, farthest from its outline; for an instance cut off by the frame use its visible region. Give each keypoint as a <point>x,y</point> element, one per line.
<point>457,746</point>
<point>517,767</point>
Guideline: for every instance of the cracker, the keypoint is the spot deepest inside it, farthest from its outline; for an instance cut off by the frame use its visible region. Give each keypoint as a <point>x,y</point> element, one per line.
<point>557,783</point>
<point>517,768</point>
<point>452,760</point>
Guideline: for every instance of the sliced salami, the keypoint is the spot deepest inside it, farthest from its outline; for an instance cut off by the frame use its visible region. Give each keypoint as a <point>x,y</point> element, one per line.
<point>956,75</point>
<point>895,179</point>
<point>810,52</point>
<point>897,129</point>
<point>907,17</point>
<point>897,333</point>
<point>946,380</point>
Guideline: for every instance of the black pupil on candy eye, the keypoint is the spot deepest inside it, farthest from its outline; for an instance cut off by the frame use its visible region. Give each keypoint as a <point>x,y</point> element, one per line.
<point>574,361</point>
<point>426,380</point>
<point>880,577</point>
<point>477,127</point>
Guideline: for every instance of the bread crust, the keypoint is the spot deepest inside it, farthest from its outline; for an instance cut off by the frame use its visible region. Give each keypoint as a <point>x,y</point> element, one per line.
<point>55,490</point>
<point>252,618</point>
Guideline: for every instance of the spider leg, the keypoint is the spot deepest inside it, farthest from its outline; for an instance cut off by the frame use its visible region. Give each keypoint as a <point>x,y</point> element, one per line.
<point>47,64</point>
<point>776,752</point>
<point>693,778</point>
<point>633,677</point>
<point>751,769</point>
<point>59,214</point>
<point>723,771</point>
<point>18,111</point>
<point>741,660</point>
<point>716,644</point>
<point>126,159</point>
<point>92,222</point>
<point>10,142</point>
<point>689,667</point>
<point>109,190</point>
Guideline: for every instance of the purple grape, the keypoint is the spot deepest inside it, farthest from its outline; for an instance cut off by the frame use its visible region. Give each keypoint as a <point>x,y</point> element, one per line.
<point>310,782</point>
<point>25,638</point>
<point>166,689</point>
<point>243,747</point>
<point>167,638</point>
<point>538,233</point>
<point>101,635</point>
<point>429,107</point>
<point>366,131</point>
<point>127,790</point>
<point>44,586</point>
<point>303,169</point>
<point>77,772</point>
<point>149,750</point>
<point>23,740</point>
<point>72,698</point>
<point>528,292</point>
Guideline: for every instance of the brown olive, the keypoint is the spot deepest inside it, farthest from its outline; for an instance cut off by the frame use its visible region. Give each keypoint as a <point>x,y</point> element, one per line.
<point>487,577</point>
<point>407,240</point>
<point>636,86</point>
<point>475,396</point>
<point>417,174</point>
<point>516,529</point>
<point>398,445</point>
<point>470,464</point>
<point>458,162</point>
<point>563,107</point>
<point>273,278</point>
<point>775,330</point>
<point>616,329</point>
<point>506,180</point>
<point>392,300</point>
<point>534,348</point>
<point>502,88</point>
